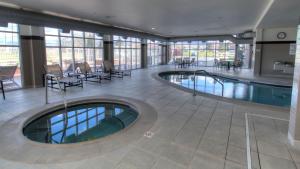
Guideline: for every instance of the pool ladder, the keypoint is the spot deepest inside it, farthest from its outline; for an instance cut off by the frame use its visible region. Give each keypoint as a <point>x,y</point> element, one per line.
<point>207,74</point>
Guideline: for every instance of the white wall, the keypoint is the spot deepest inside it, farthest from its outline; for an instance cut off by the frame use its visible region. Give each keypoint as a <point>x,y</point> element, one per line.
<point>267,52</point>
<point>270,34</point>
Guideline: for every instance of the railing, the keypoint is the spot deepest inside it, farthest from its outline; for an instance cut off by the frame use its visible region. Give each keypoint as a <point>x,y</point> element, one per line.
<point>46,85</point>
<point>207,74</point>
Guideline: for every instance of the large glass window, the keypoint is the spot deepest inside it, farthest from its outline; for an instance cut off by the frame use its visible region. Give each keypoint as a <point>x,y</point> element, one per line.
<point>67,49</point>
<point>154,52</point>
<point>127,52</point>
<point>206,52</point>
<point>244,54</point>
<point>10,52</point>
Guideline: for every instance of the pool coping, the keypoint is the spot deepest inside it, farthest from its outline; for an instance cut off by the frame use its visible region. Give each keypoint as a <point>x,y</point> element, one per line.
<point>219,98</point>
<point>14,146</point>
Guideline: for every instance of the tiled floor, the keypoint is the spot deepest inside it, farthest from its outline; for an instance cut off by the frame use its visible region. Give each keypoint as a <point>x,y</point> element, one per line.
<point>190,132</point>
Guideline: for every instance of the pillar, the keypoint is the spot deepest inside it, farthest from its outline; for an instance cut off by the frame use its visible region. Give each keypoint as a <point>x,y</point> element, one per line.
<point>236,51</point>
<point>108,47</point>
<point>33,55</point>
<point>257,59</point>
<point>257,52</point>
<point>144,54</point>
<point>164,59</point>
<point>294,125</point>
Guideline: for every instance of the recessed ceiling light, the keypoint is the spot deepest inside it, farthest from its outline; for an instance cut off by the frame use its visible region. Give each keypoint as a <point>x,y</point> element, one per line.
<point>153,28</point>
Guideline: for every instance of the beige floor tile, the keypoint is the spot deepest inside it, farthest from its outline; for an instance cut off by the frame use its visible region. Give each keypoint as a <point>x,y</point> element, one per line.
<point>269,162</point>
<point>276,150</point>
<point>205,161</point>
<point>212,148</point>
<point>177,154</point>
<point>167,164</point>
<point>139,159</point>
<point>239,156</point>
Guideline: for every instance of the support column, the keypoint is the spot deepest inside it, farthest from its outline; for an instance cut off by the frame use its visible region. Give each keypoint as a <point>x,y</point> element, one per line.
<point>168,52</point>
<point>251,56</point>
<point>257,53</point>
<point>294,125</point>
<point>257,59</point>
<point>144,54</point>
<point>236,51</point>
<point>164,59</point>
<point>33,55</point>
<point>108,47</point>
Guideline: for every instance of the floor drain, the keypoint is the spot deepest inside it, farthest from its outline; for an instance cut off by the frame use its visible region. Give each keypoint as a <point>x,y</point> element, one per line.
<point>149,134</point>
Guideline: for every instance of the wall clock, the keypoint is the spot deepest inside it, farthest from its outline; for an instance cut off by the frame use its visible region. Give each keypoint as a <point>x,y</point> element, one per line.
<point>281,35</point>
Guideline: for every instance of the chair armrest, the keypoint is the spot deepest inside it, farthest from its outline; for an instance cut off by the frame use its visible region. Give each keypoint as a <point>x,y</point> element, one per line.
<point>52,75</point>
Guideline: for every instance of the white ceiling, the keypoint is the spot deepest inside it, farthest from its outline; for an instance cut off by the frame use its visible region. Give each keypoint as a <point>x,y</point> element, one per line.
<point>169,17</point>
<point>283,13</point>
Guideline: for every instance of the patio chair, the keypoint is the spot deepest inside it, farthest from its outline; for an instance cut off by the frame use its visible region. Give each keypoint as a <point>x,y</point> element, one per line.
<point>55,72</point>
<point>223,64</point>
<point>178,63</point>
<point>2,89</point>
<point>238,64</point>
<point>109,68</point>
<point>86,70</point>
<point>6,74</point>
<point>193,62</point>
<point>217,63</point>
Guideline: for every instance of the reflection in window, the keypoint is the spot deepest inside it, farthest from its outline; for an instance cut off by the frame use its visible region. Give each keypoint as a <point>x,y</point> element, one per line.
<point>74,47</point>
<point>77,122</point>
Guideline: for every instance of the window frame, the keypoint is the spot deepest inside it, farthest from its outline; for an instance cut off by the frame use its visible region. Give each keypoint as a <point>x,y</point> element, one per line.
<point>83,47</point>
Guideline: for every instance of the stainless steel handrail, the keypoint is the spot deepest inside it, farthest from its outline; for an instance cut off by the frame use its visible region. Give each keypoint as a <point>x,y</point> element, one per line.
<point>208,74</point>
<point>46,85</point>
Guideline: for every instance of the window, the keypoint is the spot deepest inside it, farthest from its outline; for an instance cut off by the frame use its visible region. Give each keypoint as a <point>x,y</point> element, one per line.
<point>244,54</point>
<point>10,51</point>
<point>127,53</point>
<point>206,52</point>
<point>154,52</point>
<point>67,49</point>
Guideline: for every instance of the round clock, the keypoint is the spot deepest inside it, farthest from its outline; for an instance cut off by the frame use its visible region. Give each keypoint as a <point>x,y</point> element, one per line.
<point>281,35</point>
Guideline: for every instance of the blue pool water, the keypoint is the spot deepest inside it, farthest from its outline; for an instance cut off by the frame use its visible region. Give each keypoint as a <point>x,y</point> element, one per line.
<point>80,123</point>
<point>234,89</point>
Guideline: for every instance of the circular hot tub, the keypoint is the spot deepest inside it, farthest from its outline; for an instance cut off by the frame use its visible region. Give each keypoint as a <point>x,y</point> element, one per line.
<point>91,126</point>
<point>79,123</point>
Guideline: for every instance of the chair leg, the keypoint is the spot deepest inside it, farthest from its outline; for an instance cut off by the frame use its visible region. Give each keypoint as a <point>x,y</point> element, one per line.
<point>65,87</point>
<point>2,87</point>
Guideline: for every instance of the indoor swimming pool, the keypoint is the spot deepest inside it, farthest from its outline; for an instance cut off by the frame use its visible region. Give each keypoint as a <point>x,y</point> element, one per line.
<point>232,88</point>
<point>80,123</point>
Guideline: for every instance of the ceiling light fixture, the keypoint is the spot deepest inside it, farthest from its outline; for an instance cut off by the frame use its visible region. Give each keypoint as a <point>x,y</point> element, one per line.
<point>153,28</point>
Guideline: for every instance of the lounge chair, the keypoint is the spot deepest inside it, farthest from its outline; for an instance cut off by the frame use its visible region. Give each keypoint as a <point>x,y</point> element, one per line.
<point>97,76</point>
<point>55,72</point>
<point>6,74</point>
<point>109,68</point>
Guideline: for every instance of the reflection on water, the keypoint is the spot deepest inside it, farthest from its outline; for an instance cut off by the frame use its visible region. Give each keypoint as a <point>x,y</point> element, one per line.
<point>254,92</point>
<point>80,123</point>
